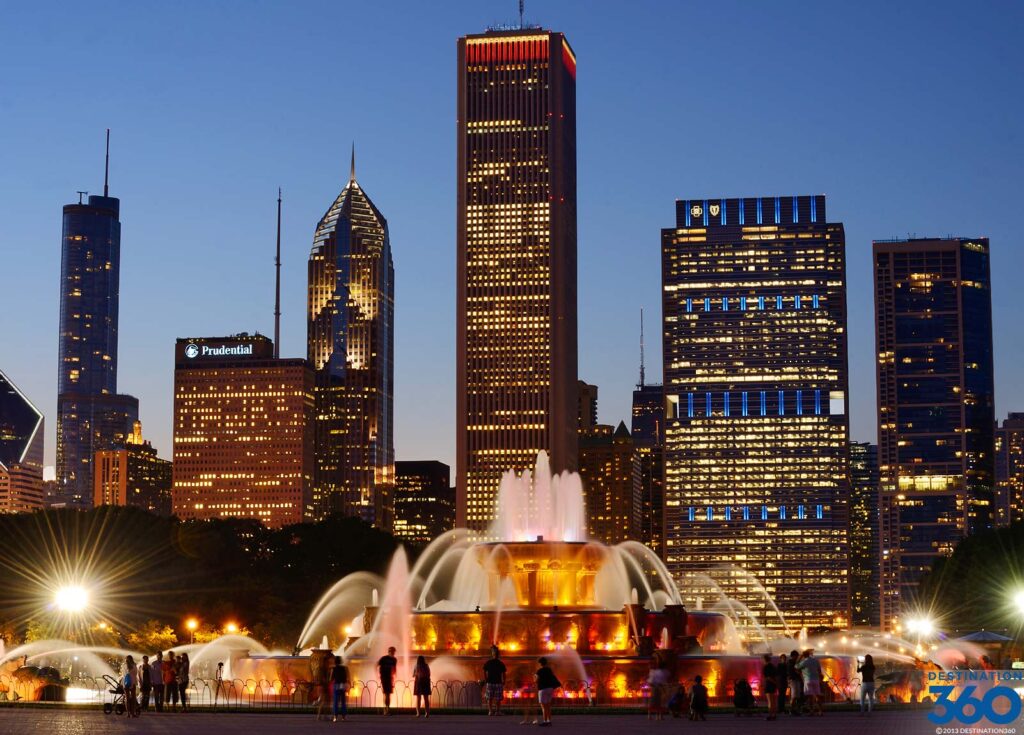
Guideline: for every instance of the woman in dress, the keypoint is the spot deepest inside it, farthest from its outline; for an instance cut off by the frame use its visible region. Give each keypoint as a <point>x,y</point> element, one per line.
<point>769,683</point>
<point>422,686</point>
<point>131,683</point>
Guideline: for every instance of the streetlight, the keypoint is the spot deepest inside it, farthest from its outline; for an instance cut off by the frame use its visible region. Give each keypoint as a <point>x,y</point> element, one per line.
<point>231,628</point>
<point>72,599</point>
<point>1018,600</point>
<point>192,624</point>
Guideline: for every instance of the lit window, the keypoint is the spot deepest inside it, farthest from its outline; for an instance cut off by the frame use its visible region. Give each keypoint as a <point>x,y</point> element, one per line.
<point>689,305</point>
<point>764,512</point>
<point>707,303</point>
<point>778,302</point>
<point>818,512</point>
<point>692,514</point>
<point>782,513</point>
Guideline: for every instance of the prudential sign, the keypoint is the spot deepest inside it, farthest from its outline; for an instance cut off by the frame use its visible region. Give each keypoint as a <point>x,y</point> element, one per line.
<point>192,350</point>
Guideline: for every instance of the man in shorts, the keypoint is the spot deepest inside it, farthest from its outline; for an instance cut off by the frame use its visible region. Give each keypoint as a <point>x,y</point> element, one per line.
<point>494,682</point>
<point>386,668</point>
<point>810,667</point>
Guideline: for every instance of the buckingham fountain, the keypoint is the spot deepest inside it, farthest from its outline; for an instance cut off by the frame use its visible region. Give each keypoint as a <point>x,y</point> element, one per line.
<point>537,587</point>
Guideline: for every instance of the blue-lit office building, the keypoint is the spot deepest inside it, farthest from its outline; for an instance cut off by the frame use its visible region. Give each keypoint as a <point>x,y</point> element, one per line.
<point>936,406</point>
<point>756,432</point>
<point>91,416</point>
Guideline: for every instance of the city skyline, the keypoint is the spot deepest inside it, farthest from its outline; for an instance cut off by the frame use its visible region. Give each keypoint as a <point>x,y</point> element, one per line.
<point>187,299</point>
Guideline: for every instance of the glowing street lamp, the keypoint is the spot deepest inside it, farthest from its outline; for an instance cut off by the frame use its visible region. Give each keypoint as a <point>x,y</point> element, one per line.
<point>72,599</point>
<point>192,624</point>
<point>231,628</point>
<point>1018,601</point>
<point>923,627</point>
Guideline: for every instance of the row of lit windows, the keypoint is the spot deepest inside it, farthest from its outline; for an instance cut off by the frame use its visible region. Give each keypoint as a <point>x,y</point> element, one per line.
<point>756,303</point>
<point>728,403</point>
<point>744,512</point>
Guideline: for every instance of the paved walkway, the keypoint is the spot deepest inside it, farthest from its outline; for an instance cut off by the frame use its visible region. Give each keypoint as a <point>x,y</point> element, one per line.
<point>28,720</point>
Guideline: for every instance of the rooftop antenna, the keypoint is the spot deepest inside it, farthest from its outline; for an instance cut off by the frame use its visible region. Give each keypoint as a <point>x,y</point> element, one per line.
<point>80,195</point>
<point>277,288</point>
<point>520,14</point>
<point>352,168</point>
<point>106,168</point>
<point>641,383</point>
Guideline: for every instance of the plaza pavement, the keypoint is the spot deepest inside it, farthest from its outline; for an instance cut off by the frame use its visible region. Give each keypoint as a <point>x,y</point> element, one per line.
<point>30,720</point>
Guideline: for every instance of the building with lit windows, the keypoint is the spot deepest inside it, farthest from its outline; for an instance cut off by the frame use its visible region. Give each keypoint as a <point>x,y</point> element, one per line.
<point>21,451</point>
<point>756,428</point>
<point>516,261</point>
<point>864,517</point>
<point>647,431</point>
<point>586,406</point>
<point>242,441</point>
<point>936,412</point>
<point>1009,503</point>
<point>611,485</point>
<point>424,500</point>
<point>90,414</point>
<point>351,346</point>
<point>134,475</point>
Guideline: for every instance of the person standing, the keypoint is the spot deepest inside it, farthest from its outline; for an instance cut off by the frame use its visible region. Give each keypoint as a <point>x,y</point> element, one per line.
<point>130,683</point>
<point>146,684</point>
<point>422,686</point>
<point>796,684</point>
<point>867,683</point>
<point>494,681</point>
<point>171,681</point>
<point>386,667</point>
<point>657,681</point>
<point>782,679</point>
<point>156,673</point>
<point>183,681</point>
<point>547,683</point>
<point>698,699</point>
<point>769,684</point>
<point>218,682</point>
<point>810,667</point>
<point>339,688</point>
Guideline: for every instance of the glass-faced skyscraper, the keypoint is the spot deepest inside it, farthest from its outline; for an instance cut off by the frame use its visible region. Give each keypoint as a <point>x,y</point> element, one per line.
<point>755,366</point>
<point>864,520</point>
<point>936,412</point>
<point>90,414</point>
<point>351,345</point>
<point>516,261</point>
<point>21,451</point>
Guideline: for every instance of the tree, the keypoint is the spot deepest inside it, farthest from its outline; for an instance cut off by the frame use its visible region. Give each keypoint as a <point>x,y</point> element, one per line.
<point>152,636</point>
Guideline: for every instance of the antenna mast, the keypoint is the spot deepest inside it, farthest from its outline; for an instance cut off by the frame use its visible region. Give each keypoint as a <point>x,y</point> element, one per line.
<point>520,14</point>
<point>106,168</point>
<point>277,288</point>
<point>641,383</point>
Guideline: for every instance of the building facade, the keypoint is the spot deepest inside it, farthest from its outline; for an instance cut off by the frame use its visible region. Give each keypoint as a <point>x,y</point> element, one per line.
<point>1009,500</point>
<point>586,406</point>
<point>756,431</point>
<point>647,431</point>
<point>516,261</point>
<point>864,531</point>
<point>424,500</point>
<point>351,346</point>
<point>611,484</point>
<point>133,475</point>
<point>936,413</point>
<point>242,440</point>
<point>21,451</point>
<point>90,414</point>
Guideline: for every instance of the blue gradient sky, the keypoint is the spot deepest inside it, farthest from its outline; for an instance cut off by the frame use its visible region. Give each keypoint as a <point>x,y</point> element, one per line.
<point>906,115</point>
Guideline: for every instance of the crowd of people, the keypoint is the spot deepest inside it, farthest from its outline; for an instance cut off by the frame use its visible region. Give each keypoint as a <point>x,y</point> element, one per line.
<point>164,680</point>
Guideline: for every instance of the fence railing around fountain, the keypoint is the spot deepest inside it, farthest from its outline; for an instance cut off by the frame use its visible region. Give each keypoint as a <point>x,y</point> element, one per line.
<point>263,694</point>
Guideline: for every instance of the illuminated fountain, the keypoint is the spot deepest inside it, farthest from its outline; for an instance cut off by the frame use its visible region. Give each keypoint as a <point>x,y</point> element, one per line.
<point>541,588</point>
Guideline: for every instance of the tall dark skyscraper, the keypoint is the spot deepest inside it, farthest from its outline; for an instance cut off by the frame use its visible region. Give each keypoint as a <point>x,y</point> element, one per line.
<point>351,346</point>
<point>648,432</point>
<point>516,261</point>
<point>936,412</point>
<point>864,517</point>
<point>610,483</point>
<point>424,500</point>
<point>756,433</point>
<point>91,416</point>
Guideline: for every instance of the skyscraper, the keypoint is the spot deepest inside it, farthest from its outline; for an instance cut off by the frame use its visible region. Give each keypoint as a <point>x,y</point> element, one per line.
<point>611,484</point>
<point>648,424</point>
<point>1009,504</point>
<point>242,441</point>
<point>21,451</point>
<point>90,414</point>
<point>424,500</point>
<point>351,346</point>
<point>516,261</point>
<point>132,474</point>
<point>864,518</point>
<point>756,432</point>
<point>936,414</point>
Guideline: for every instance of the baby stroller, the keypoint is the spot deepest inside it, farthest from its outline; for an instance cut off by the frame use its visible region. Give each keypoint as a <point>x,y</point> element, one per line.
<point>116,688</point>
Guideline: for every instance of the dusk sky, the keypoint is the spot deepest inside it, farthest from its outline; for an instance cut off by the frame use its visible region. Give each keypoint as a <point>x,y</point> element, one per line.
<point>907,116</point>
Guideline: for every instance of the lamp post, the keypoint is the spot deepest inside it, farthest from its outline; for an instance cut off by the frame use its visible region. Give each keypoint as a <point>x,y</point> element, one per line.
<point>192,624</point>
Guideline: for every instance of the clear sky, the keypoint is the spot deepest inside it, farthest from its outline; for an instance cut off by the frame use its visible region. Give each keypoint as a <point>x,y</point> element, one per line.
<point>907,115</point>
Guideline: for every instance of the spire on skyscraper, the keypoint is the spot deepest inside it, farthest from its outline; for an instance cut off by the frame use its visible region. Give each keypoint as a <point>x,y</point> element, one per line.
<point>106,168</point>
<point>641,383</point>
<point>352,168</point>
